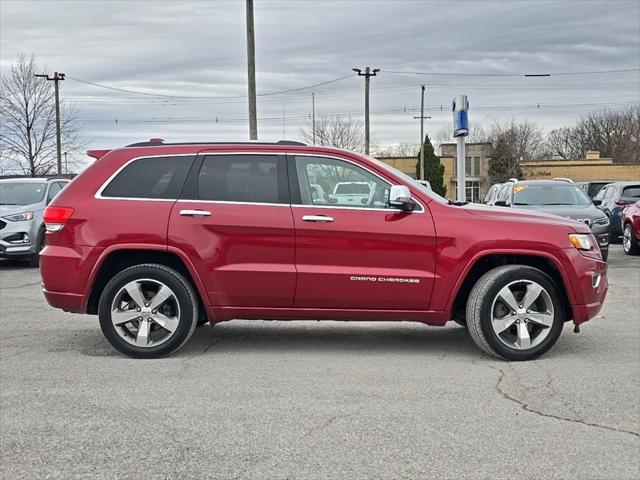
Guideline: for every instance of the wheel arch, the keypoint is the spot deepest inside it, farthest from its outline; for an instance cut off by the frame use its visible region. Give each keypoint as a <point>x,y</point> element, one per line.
<point>482,263</point>
<point>115,260</point>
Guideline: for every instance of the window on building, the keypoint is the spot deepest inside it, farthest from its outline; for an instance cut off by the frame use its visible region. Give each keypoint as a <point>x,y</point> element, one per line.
<point>476,166</point>
<point>472,192</point>
<point>467,166</point>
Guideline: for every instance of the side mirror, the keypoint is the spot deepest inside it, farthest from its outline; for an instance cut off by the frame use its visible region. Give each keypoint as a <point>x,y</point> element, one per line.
<point>597,203</point>
<point>400,197</point>
<point>501,203</point>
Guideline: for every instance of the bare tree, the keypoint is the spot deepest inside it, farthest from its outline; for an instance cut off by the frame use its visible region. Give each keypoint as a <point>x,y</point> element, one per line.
<point>614,133</point>
<point>403,149</point>
<point>562,143</point>
<point>27,115</point>
<point>335,131</point>
<point>525,140</point>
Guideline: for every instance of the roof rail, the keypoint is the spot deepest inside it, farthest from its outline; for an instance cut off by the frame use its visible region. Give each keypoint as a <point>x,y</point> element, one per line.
<point>156,142</point>
<point>563,179</point>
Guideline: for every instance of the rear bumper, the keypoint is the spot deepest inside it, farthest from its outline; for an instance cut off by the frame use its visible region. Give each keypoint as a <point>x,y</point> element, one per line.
<point>69,302</point>
<point>66,272</point>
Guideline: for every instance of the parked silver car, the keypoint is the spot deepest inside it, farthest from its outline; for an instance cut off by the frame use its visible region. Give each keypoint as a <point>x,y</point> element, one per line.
<point>22,203</point>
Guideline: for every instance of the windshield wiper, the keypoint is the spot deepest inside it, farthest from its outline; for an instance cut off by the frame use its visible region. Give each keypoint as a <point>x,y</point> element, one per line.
<point>558,203</point>
<point>520,203</point>
<point>456,203</point>
<point>8,204</point>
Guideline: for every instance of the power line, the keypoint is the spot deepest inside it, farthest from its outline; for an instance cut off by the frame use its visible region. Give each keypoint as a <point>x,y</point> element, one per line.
<point>592,72</point>
<point>237,97</point>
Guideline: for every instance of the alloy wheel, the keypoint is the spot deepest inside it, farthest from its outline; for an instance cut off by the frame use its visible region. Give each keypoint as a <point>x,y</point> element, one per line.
<point>522,314</point>
<point>145,313</point>
<point>626,240</point>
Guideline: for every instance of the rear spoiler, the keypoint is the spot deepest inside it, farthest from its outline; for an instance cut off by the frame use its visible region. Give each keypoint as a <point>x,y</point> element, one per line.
<point>97,154</point>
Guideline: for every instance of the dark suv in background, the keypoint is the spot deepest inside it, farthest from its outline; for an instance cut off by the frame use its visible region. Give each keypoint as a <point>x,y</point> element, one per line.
<point>556,197</point>
<point>613,198</point>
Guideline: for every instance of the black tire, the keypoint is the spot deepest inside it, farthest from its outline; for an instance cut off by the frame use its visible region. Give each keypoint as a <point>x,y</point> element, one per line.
<point>631,247</point>
<point>185,297</point>
<point>461,322</point>
<point>479,313</point>
<point>34,260</point>
<point>605,254</point>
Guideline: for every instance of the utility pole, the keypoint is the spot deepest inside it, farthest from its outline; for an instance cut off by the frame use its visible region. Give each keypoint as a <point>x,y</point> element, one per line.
<point>368,73</point>
<point>57,77</point>
<point>422,117</point>
<point>251,67</point>
<point>313,116</point>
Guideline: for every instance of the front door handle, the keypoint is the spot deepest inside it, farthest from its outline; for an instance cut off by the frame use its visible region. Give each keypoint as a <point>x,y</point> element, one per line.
<point>317,218</point>
<point>195,213</point>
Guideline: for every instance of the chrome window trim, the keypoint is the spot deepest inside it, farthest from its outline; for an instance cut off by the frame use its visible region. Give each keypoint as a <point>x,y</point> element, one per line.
<point>98,195</point>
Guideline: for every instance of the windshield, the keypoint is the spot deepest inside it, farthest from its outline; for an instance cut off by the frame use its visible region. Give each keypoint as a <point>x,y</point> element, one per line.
<point>352,188</point>
<point>18,193</point>
<point>549,194</point>
<point>407,179</point>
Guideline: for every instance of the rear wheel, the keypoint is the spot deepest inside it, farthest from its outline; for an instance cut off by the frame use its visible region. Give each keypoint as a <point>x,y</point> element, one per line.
<point>515,312</point>
<point>34,260</point>
<point>629,241</point>
<point>148,311</point>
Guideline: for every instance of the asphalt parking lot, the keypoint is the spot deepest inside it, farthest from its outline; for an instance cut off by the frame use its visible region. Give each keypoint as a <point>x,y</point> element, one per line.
<point>317,400</point>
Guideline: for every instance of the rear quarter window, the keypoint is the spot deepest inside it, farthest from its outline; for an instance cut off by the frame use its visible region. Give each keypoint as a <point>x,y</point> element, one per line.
<point>153,177</point>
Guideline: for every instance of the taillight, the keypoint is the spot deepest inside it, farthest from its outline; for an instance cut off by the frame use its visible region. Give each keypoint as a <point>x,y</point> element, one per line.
<point>56,217</point>
<point>622,202</point>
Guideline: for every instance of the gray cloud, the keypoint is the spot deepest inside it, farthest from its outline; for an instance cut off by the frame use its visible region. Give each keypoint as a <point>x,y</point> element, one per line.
<point>198,49</point>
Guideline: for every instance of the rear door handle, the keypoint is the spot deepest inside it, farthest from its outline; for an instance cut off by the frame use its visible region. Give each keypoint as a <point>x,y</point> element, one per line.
<point>195,213</point>
<point>317,218</point>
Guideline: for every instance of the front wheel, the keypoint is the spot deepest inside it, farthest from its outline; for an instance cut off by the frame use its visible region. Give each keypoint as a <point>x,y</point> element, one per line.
<point>515,312</point>
<point>148,311</point>
<point>629,241</point>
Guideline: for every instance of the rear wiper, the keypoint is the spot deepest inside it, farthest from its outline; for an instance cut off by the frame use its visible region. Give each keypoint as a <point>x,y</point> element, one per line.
<point>456,203</point>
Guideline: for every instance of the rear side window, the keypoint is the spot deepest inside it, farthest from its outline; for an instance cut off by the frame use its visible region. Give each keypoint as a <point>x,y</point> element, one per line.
<point>241,178</point>
<point>157,177</point>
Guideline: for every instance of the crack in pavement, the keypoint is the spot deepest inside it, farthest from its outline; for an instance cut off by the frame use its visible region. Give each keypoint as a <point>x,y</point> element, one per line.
<point>527,408</point>
<point>326,423</point>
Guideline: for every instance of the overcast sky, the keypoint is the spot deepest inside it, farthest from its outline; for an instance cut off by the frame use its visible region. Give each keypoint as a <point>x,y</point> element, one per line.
<point>198,49</point>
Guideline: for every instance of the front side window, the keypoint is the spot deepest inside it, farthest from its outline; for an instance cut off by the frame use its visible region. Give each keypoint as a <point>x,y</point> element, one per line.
<point>152,178</point>
<point>333,182</point>
<point>240,178</point>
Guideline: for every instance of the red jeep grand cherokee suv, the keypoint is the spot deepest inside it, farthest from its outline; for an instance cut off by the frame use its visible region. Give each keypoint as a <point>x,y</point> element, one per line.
<point>156,238</point>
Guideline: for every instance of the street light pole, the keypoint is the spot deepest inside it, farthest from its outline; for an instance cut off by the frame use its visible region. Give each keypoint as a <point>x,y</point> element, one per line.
<point>368,73</point>
<point>57,77</point>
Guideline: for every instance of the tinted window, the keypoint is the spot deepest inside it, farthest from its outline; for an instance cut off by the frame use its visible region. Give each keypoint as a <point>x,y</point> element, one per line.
<point>239,178</point>
<point>159,177</point>
<point>632,191</point>
<point>344,184</point>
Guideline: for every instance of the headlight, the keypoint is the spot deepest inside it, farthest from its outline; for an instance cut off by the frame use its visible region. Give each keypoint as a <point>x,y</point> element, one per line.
<point>581,241</point>
<point>19,217</point>
<point>601,221</point>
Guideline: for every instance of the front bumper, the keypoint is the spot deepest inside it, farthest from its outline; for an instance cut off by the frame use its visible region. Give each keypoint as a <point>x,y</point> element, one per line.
<point>589,283</point>
<point>19,239</point>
